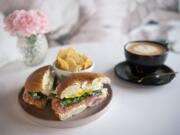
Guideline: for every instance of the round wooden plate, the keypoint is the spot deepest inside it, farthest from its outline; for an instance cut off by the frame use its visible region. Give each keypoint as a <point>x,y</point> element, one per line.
<point>46,116</point>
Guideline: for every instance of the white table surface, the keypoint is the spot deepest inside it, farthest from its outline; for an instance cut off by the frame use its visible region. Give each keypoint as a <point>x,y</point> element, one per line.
<point>135,109</point>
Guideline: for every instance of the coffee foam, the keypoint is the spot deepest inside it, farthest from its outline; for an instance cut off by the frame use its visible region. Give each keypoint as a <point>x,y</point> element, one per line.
<point>145,48</point>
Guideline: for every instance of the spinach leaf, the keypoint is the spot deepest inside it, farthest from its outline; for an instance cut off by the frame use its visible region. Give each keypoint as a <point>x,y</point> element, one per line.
<point>37,95</point>
<point>52,95</point>
<point>96,93</point>
<point>70,101</point>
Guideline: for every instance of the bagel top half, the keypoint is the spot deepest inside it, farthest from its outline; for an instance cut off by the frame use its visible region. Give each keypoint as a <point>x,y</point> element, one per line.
<point>80,83</point>
<point>40,80</point>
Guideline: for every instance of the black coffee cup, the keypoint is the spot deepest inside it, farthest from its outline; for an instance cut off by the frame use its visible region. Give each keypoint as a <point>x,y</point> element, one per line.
<point>143,62</point>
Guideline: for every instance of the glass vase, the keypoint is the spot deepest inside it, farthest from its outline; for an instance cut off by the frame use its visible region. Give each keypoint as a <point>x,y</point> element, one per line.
<point>33,49</point>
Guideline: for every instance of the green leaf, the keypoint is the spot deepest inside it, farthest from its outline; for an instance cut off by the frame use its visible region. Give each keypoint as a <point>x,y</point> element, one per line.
<point>31,40</point>
<point>53,92</point>
<point>70,101</point>
<point>37,95</point>
<point>52,95</point>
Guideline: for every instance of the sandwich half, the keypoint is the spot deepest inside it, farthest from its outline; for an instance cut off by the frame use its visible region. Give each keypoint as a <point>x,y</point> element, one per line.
<point>38,86</point>
<point>78,92</point>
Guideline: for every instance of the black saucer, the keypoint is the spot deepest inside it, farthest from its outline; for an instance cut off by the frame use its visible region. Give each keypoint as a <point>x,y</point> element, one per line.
<point>122,71</point>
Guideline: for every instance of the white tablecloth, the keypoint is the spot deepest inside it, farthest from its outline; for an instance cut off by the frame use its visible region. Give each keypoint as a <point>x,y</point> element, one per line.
<point>135,109</point>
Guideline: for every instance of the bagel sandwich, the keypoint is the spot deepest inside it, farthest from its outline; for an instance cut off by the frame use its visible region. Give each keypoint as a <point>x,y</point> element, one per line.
<point>78,92</point>
<point>38,87</point>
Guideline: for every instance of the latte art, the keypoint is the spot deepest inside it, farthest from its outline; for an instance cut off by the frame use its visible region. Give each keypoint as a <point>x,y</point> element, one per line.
<point>143,48</point>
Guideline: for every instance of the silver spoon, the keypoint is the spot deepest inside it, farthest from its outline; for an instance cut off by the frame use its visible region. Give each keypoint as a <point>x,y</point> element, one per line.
<point>156,76</point>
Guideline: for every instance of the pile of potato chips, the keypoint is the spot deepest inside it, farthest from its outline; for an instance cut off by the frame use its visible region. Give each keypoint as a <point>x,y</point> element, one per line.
<point>70,60</point>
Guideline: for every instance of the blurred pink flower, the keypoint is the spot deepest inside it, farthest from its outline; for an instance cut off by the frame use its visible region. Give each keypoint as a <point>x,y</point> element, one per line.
<point>25,23</point>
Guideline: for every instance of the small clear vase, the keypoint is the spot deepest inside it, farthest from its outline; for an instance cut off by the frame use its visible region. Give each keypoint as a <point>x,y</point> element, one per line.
<point>33,49</point>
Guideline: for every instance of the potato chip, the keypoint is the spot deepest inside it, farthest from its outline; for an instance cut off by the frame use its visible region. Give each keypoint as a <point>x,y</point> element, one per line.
<point>84,57</point>
<point>72,64</point>
<point>78,59</point>
<point>69,59</point>
<point>87,63</point>
<point>70,52</point>
<point>63,53</point>
<point>79,68</point>
<point>63,64</point>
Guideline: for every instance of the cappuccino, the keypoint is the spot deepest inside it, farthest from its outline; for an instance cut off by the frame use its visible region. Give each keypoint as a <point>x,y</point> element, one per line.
<point>145,48</point>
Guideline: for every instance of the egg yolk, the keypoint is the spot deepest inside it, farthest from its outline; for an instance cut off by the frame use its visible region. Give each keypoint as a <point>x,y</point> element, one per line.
<point>79,94</point>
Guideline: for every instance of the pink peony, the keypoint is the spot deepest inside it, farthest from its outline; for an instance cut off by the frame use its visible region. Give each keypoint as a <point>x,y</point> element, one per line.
<point>26,23</point>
